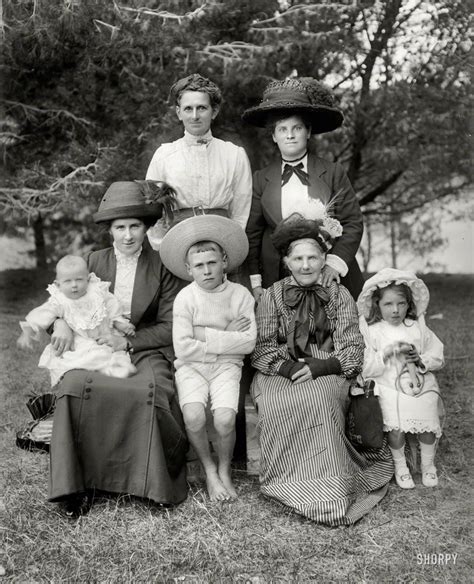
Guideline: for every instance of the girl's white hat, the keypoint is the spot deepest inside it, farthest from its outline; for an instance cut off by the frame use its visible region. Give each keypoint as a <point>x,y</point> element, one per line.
<point>421,295</point>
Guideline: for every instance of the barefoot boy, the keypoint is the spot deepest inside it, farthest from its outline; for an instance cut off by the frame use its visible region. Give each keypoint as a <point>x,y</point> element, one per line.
<point>213,328</point>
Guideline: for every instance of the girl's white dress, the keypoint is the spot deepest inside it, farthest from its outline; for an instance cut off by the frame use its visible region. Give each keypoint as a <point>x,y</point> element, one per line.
<point>91,316</point>
<point>409,413</point>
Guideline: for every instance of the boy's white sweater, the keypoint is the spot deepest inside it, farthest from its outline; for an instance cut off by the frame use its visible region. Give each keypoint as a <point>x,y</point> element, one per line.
<point>214,310</point>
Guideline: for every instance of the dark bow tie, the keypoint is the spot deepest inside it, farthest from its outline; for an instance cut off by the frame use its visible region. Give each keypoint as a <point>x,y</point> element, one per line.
<point>297,169</point>
<point>306,301</point>
<point>203,141</point>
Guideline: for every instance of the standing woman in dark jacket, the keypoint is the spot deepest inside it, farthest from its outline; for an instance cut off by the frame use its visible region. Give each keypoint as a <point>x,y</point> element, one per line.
<point>124,435</point>
<point>299,181</point>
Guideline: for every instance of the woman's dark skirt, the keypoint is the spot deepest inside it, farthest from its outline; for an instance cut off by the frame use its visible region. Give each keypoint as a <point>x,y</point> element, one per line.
<point>120,435</point>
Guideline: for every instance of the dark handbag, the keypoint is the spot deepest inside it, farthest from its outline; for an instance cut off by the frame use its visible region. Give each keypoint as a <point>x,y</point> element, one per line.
<point>37,434</point>
<point>364,422</point>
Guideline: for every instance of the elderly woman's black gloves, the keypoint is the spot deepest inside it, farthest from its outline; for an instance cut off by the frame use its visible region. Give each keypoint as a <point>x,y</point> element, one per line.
<point>318,367</point>
<point>289,368</point>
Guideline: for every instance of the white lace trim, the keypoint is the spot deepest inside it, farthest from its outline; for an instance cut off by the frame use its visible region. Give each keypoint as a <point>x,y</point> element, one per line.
<point>125,279</point>
<point>192,140</point>
<point>126,260</point>
<point>88,311</point>
<point>414,427</point>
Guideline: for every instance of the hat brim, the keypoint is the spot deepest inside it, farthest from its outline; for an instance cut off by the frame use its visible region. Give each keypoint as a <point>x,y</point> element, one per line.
<point>322,119</point>
<point>130,212</point>
<point>386,276</point>
<point>223,231</point>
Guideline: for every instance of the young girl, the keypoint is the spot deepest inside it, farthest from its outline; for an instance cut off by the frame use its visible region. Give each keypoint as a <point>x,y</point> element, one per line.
<point>400,353</point>
<point>94,315</point>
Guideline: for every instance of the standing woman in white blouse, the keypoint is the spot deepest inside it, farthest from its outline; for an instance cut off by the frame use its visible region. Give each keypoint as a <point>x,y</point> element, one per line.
<point>123,435</point>
<point>208,174</point>
<point>299,181</point>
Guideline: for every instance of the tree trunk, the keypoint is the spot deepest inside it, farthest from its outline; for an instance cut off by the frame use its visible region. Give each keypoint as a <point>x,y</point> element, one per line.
<point>40,246</point>
<point>368,254</point>
<point>393,235</point>
<point>377,45</point>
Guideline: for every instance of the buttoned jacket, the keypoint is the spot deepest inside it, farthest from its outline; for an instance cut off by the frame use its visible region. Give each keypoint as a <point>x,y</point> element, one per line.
<point>154,291</point>
<point>327,182</point>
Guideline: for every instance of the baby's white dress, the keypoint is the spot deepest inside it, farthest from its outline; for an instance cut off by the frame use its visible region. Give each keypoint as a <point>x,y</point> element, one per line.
<point>408,413</point>
<point>91,316</point>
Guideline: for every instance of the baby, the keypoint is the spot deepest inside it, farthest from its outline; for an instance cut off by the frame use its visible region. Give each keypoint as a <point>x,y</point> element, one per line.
<point>94,315</point>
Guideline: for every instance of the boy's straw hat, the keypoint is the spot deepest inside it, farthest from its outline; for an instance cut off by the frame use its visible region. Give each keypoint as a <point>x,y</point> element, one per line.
<point>221,230</point>
<point>306,97</point>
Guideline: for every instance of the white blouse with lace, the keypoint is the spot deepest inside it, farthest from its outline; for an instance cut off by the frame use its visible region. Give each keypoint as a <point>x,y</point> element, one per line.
<point>125,279</point>
<point>207,172</point>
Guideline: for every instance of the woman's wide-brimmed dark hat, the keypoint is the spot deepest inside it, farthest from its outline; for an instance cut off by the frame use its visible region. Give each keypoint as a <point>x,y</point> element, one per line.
<point>305,96</point>
<point>134,200</point>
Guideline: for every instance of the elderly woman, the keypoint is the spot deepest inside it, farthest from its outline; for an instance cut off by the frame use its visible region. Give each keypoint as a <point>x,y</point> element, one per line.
<point>206,172</point>
<point>124,435</point>
<point>308,347</point>
<point>293,110</point>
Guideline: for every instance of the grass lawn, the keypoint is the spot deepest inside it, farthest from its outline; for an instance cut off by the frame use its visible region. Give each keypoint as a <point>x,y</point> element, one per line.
<point>252,540</point>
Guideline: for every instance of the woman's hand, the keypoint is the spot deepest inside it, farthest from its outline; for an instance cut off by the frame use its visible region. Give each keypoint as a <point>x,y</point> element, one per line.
<point>62,338</point>
<point>117,343</point>
<point>257,292</point>
<point>329,275</point>
<point>302,375</point>
<point>126,328</point>
<point>239,324</point>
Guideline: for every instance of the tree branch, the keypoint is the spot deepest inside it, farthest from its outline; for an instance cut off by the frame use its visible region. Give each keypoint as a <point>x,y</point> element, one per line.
<point>381,188</point>
<point>379,42</point>
<point>56,112</point>
<point>32,201</point>
<point>165,14</point>
<point>445,192</point>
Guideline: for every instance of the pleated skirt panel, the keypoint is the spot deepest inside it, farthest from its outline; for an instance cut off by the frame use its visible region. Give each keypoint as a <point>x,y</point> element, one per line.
<point>307,463</point>
<point>119,435</point>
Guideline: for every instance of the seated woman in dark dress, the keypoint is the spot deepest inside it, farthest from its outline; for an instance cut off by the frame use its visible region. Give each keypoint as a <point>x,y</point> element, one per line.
<point>124,435</point>
<point>308,347</point>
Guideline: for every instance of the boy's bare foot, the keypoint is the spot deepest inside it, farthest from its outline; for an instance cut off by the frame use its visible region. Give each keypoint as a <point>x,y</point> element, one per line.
<point>227,482</point>
<point>215,488</point>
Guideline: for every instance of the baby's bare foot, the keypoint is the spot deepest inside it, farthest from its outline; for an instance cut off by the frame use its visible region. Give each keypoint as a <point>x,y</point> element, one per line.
<point>225,477</point>
<point>215,488</point>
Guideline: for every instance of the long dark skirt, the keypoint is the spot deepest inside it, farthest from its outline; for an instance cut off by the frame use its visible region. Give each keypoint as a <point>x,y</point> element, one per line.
<point>120,435</point>
<point>307,463</point>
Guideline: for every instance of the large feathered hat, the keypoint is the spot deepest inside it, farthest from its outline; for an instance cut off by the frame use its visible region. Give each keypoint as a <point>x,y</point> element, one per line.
<point>137,200</point>
<point>304,96</point>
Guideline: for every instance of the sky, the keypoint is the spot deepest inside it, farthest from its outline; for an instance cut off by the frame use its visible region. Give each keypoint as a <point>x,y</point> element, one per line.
<point>456,257</point>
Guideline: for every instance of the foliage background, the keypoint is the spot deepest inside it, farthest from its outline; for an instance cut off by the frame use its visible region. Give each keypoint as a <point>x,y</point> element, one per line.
<point>86,82</point>
<point>85,102</point>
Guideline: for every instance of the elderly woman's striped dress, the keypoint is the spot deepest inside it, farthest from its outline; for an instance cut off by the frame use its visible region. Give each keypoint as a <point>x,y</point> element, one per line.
<point>307,463</point>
